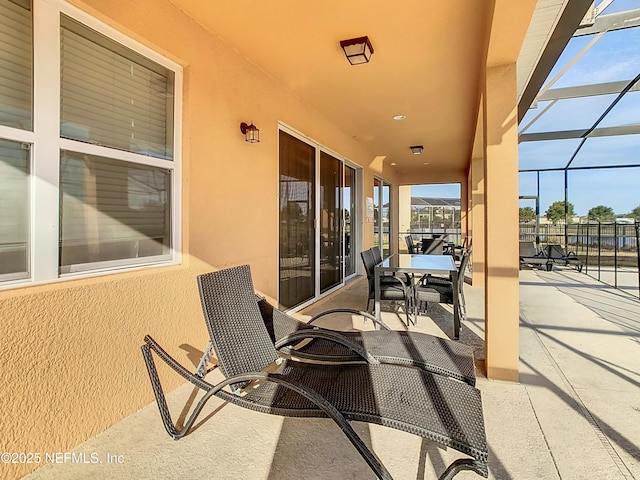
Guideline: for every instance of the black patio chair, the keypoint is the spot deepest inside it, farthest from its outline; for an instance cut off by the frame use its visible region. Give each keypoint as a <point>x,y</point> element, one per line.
<point>387,277</point>
<point>411,246</point>
<point>434,407</point>
<point>440,290</point>
<point>434,246</point>
<point>392,287</point>
<point>458,250</point>
<point>399,347</point>
<point>377,254</point>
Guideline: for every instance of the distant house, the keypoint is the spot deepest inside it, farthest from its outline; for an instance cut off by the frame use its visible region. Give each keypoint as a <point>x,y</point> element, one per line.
<point>435,214</point>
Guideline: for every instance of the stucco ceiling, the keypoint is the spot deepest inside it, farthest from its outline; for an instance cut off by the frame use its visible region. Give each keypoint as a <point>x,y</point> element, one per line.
<point>426,65</point>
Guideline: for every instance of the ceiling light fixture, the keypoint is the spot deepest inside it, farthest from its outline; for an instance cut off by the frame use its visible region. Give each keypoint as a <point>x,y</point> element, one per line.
<point>358,50</point>
<point>251,132</point>
<point>416,149</point>
<point>399,117</point>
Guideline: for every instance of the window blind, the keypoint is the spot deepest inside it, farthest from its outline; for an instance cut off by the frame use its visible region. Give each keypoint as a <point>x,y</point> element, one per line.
<point>16,60</point>
<point>111,210</point>
<point>14,210</point>
<point>112,96</point>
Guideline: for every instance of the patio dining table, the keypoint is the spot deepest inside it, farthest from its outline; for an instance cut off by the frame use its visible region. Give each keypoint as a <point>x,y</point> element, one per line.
<point>420,265</point>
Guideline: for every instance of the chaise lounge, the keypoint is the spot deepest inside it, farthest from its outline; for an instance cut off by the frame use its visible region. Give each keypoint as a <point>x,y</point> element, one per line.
<point>530,256</point>
<point>556,254</point>
<point>435,407</point>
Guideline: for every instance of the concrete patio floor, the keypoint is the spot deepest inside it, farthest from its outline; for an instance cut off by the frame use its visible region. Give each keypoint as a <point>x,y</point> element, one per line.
<point>575,413</point>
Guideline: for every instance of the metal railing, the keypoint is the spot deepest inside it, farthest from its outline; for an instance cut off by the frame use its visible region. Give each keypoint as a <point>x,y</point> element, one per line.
<point>609,251</point>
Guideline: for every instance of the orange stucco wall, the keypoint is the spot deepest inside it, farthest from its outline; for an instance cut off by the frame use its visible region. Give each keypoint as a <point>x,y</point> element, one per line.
<point>69,346</point>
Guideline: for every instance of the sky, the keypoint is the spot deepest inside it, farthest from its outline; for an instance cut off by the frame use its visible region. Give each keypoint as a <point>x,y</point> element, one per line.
<point>614,57</point>
<point>445,190</point>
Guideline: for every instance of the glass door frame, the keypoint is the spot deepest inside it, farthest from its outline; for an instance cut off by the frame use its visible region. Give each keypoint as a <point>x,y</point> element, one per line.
<point>356,220</point>
<point>356,240</point>
<point>380,184</point>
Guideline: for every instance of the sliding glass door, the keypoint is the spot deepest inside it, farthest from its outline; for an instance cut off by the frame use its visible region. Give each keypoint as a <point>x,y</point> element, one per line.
<point>317,221</point>
<point>297,221</point>
<point>331,185</point>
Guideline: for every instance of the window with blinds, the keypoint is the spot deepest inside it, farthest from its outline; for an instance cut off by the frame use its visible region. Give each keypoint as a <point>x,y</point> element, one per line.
<point>16,64</point>
<point>14,210</point>
<point>112,96</point>
<point>111,211</point>
<point>95,185</point>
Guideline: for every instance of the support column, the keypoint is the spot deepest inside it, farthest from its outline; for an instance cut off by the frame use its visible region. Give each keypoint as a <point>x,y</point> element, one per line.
<point>476,224</point>
<point>501,223</point>
<point>465,208</point>
<point>404,213</point>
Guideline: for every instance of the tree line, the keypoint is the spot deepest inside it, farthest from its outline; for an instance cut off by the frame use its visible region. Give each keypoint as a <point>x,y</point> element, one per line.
<point>555,213</point>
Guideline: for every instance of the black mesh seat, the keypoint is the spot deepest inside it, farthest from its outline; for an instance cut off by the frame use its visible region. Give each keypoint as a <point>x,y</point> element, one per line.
<point>434,407</point>
<point>428,352</point>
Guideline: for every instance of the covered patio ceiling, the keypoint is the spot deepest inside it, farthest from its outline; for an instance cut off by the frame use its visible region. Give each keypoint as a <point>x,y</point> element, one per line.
<point>427,64</point>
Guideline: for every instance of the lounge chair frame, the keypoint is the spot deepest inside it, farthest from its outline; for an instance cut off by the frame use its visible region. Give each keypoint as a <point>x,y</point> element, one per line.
<point>210,390</point>
<point>450,412</point>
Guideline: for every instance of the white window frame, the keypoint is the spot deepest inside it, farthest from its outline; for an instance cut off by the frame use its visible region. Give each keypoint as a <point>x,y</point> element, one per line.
<point>46,145</point>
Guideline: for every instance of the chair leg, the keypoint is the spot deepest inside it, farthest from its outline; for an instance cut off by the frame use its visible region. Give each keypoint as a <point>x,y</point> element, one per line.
<point>410,303</point>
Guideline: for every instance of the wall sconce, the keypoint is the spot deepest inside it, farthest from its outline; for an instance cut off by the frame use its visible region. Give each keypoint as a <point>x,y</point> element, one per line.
<point>358,50</point>
<point>417,149</point>
<point>250,132</point>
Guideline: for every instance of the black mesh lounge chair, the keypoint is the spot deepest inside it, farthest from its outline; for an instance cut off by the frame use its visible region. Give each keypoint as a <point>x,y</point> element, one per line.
<point>530,256</point>
<point>434,354</point>
<point>557,254</point>
<point>434,407</point>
